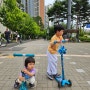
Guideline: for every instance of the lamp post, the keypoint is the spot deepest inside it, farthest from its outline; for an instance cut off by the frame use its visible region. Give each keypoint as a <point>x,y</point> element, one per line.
<point>69,15</point>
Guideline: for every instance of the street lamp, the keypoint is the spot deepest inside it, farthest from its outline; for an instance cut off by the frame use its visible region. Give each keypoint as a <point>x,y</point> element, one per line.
<point>69,14</point>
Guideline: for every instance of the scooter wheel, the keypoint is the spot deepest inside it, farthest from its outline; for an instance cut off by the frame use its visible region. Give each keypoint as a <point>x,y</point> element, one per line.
<point>70,83</point>
<point>16,86</point>
<point>59,84</point>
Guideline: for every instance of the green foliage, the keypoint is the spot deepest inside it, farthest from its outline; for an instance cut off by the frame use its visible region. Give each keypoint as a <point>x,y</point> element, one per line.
<point>79,8</point>
<point>51,33</point>
<point>16,20</point>
<point>82,9</point>
<point>87,33</point>
<point>19,1</point>
<point>84,36</point>
<point>20,5</point>
<point>81,33</point>
<point>38,20</point>
<point>10,4</point>
<point>42,34</point>
<point>84,39</point>
<point>57,9</point>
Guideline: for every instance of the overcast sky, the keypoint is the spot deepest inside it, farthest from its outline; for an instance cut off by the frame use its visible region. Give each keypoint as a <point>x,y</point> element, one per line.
<point>51,1</point>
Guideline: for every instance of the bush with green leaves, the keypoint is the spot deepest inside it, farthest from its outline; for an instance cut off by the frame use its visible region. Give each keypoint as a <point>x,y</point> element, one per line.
<point>84,39</point>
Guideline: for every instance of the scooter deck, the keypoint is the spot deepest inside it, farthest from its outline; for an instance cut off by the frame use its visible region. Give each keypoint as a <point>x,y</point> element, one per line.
<point>58,78</point>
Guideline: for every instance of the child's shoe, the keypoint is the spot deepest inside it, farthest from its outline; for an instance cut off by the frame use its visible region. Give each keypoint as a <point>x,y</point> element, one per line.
<point>16,85</point>
<point>56,75</point>
<point>33,85</point>
<point>50,76</point>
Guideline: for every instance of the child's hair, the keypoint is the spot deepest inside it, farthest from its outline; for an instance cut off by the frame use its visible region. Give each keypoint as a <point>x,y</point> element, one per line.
<point>29,60</point>
<point>58,28</point>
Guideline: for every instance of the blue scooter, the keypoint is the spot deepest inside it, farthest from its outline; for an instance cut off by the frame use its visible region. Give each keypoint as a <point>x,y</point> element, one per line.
<point>23,85</point>
<point>61,79</point>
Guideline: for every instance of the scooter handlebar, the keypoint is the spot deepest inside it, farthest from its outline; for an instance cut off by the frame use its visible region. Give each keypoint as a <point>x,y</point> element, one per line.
<point>64,40</point>
<point>20,55</point>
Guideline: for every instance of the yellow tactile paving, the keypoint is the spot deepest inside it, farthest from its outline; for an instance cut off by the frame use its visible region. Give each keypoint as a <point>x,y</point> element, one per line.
<point>6,56</point>
<point>10,56</point>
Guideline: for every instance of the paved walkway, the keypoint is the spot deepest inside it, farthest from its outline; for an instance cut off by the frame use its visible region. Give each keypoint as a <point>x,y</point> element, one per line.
<point>76,65</point>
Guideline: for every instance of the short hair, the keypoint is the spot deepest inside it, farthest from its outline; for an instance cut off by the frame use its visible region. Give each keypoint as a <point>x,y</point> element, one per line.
<point>58,27</point>
<point>29,60</point>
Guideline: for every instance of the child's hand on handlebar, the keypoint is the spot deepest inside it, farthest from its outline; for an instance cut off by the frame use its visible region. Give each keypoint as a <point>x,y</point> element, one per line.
<point>57,41</point>
<point>61,41</point>
<point>25,71</point>
<point>66,40</point>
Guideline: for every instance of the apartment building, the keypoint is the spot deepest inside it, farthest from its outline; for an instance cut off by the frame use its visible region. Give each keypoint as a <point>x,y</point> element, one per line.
<point>34,8</point>
<point>42,10</point>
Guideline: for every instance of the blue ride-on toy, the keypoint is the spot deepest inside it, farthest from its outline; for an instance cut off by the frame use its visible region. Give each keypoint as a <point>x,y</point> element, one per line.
<point>61,79</point>
<point>23,85</point>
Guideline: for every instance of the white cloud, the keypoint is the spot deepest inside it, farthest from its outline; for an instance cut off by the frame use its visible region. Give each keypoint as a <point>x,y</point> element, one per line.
<point>47,2</point>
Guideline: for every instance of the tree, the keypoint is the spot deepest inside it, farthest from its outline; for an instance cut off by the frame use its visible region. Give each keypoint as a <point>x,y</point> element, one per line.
<point>16,20</point>
<point>19,4</point>
<point>80,8</point>
<point>38,20</point>
<point>82,11</point>
<point>58,10</point>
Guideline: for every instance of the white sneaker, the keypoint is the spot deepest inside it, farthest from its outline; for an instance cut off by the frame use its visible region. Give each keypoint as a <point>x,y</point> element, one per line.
<point>50,76</point>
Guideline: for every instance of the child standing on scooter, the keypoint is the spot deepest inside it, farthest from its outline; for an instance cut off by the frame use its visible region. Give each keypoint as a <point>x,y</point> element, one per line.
<point>28,73</point>
<point>52,51</point>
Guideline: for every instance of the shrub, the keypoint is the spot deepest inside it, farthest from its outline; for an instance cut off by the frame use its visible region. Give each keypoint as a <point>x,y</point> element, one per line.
<point>84,39</point>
